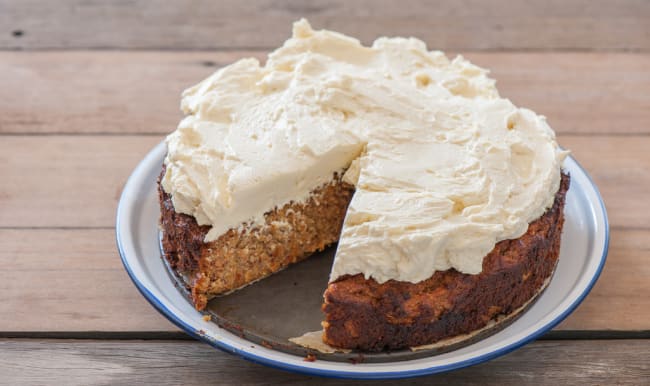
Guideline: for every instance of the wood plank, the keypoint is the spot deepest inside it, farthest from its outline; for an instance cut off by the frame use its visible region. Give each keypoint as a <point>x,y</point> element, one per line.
<point>619,300</point>
<point>57,280</point>
<point>99,92</point>
<point>578,92</point>
<point>619,168</point>
<point>28,362</point>
<point>75,181</point>
<point>69,280</point>
<point>66,181</point>
<point>139,92</point>
<point>204,24</point>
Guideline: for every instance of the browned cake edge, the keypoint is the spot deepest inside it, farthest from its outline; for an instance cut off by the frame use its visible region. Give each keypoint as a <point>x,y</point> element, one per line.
<point>246,254</point>
<point>365,315</point>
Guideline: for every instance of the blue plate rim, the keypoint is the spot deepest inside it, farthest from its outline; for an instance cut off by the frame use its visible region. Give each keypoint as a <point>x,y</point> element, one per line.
<point>171,316</point>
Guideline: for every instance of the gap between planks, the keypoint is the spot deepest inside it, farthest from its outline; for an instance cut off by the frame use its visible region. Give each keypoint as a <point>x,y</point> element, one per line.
<point>63,228</point>
<point>265,50</point>
<point>164,134</point>
<point>552,335</point>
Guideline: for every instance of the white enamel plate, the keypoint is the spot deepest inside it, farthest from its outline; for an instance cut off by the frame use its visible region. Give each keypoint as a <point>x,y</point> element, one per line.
<point>584,249</point>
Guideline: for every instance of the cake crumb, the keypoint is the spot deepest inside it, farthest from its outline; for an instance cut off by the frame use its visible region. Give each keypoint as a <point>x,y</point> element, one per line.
<point>310,358</point>
<point>207,317</point>
<point>358,359</point>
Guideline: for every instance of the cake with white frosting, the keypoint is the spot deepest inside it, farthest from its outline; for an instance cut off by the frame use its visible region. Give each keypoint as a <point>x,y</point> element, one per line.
<point>411,161</point>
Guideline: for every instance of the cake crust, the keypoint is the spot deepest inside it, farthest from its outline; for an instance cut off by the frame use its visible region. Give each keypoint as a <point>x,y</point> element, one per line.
<point>365,315</point>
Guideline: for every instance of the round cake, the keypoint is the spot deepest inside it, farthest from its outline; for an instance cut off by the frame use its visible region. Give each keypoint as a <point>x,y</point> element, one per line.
<point>446,200</point>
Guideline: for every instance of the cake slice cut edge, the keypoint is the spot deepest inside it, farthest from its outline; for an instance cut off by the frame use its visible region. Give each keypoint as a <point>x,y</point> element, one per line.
<point>247,254</point>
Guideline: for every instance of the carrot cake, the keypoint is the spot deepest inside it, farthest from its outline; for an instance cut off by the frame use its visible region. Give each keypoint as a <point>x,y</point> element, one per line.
<point>446,200</point>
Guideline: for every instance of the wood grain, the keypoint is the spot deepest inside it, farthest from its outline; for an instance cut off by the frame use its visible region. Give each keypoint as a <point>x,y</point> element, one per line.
<point>69,280</point>
<point>66,181</point>
<point>139,92</point>
<point>619,300</point>
<point>87,88</point>
<point>204,24</point>
<point>73,280</point>
<point>75,181</point>
<point>619,168</point>
<point>621,362</point>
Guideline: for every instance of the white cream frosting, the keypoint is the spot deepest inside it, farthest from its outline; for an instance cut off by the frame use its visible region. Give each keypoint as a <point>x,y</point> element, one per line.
<point>443,167</point>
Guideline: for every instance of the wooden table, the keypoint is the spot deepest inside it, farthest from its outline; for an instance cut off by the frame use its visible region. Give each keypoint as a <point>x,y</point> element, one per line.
<point>88,88</point>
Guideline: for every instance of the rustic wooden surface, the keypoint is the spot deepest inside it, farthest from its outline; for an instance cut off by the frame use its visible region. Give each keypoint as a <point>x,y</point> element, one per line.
<point>88,88</point>
<point>89,362</point>
<point>566,86</point>
<point>206,24</point>
<point>88,290</point>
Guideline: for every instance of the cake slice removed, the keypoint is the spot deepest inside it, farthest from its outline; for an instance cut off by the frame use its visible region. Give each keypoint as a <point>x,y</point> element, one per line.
<point>241,256</point>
